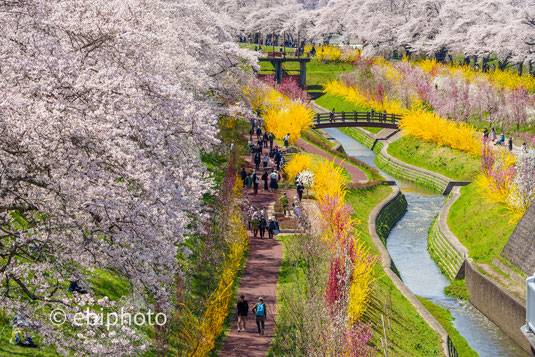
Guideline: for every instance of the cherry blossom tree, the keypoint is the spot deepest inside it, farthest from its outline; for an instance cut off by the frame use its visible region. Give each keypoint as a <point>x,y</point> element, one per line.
<point>105,107</point>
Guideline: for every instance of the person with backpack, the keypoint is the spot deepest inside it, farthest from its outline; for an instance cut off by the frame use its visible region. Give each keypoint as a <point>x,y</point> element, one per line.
<point>260,311</point>
<point>271,228</point>
<point>242,308</point>
<point>263,224</point>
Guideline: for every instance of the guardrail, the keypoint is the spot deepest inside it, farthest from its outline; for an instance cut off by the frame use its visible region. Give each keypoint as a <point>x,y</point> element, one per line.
<point>349,119</point>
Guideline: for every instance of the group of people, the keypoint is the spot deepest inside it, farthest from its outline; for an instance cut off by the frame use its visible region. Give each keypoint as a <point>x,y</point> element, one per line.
<point>491,135</point>
<point>260,223</point>
<point>259,309</point>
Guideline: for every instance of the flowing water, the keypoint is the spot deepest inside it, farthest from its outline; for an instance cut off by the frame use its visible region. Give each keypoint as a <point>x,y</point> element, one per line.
<point>407,245</point>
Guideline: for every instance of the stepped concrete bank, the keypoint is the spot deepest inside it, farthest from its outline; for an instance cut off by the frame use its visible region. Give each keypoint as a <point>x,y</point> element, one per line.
<point>443,245</point>
<point>384,215</point>
<point>502,308</point>
<point>397,168</point>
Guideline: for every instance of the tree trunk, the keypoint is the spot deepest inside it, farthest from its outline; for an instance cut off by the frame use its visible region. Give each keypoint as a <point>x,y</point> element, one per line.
<point>520,68</point>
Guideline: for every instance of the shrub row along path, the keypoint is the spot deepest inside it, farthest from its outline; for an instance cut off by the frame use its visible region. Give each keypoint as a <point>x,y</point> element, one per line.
<point>357,175</point>
<point>260,273</point>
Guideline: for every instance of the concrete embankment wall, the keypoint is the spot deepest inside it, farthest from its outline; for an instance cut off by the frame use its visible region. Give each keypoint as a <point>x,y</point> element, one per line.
<point>505,310</point>
<point>397,168</point>
<point>381,220</point>
<point>499,306</point>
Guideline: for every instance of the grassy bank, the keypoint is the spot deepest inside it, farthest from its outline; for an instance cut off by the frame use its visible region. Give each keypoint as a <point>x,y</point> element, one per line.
<point>444,318</point>
<point>482,227</point>
<point>446,161</point>
<point>409,334</point>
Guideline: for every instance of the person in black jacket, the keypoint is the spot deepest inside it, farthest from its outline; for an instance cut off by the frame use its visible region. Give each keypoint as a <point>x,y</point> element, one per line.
<point>241,310</point>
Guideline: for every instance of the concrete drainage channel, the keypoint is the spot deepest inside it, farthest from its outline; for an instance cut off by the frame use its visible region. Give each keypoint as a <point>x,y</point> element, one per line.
<point>408,248</point>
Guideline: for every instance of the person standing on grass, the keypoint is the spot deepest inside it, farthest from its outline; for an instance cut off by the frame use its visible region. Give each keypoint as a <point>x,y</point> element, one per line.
<point>242,309</point>
<point>260,311</point>
<point>286,140</point>
<point>265,160</point>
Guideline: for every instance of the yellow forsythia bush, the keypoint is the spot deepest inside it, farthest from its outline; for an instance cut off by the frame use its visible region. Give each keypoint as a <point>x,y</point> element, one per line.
<point>430,127</point>
<point>328,180</point>
<point>201,334</point>
<point>293,117</point>
<point>353,95</point>
<point>363,276</point>
<point>298,163</point>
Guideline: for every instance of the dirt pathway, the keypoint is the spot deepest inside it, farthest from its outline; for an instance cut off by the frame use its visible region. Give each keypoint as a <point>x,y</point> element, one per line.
<point>260,274</point>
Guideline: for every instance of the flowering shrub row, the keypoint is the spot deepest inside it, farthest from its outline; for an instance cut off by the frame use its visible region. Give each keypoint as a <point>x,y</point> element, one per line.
<point>282,114</point>
<point>199,334</point>
<point>507,179</point>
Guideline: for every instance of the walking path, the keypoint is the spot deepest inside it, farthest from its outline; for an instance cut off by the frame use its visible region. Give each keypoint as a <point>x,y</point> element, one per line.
<point>260,274</point>
<point>357,175</point>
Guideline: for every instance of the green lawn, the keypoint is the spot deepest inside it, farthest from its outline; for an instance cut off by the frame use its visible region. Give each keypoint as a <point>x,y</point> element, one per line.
<point>482,227</point>
<point>316,136</point>
<point>409,335</point>
<point>449,162</point>
<point>444,318</point>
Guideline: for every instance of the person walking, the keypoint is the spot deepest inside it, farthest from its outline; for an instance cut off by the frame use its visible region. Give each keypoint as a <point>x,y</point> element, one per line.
<point>249,181</point>
<point>277,159</point>
<point>274,177</point>
<point>242,309</point>
<point>265,139</point>
<point>265,160</point>
<point>271,139</point>
<point>263,225</point>
<point>265,178</point>
<point>258,132</point>
<point>256,182</point>
<point>300,190</point>
<point>243,175</point>
<point>271,228</point>
<point>255,223</point>
<point>257,160</point>
<point>286,140</point>
<point>510,142</point>
<point>260,311</point>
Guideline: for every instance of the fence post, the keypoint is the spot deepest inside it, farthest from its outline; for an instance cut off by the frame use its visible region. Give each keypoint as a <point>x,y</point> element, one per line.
<point>343,117</point>
<point>317,118</point>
